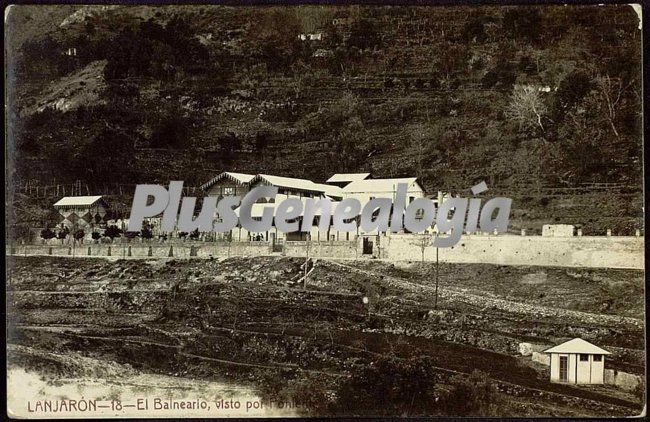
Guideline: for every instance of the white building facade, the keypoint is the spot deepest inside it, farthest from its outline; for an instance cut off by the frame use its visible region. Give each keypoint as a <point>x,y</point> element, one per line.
<point>577,362</point>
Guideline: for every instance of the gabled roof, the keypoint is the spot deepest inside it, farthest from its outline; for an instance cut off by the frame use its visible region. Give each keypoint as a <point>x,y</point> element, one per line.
<point>78,201</point>
<point>347,177</point>
<point>379,186</point>
<point>238,177</point>
<point>577,345</point>
<point>299,184</point>
<point>288,182</point>
<point>257,210</point>
<point>330,190</point>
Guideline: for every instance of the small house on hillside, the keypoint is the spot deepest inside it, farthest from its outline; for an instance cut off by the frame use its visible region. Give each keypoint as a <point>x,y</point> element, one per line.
<point>82,211</point>
<point>577,362</point>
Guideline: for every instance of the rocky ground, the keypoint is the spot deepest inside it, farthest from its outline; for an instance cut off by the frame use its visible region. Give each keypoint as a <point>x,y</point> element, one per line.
<point>250,320</point>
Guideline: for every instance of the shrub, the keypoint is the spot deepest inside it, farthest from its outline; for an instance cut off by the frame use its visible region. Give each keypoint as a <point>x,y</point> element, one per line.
<point>131,235</point>
<point>96,235</point>
<point>473,395</point>
<point>47,233</point>
<point>63,233</point>
<point>146,233</point>
<point>391,386</point>
<point>112,232</point>
<point>79,234</point>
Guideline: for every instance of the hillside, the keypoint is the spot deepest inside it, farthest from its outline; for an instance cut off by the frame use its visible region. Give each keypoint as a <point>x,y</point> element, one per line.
<point>543,103</point>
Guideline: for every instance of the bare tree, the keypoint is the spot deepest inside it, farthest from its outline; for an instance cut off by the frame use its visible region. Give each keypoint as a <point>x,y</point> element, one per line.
<point>526,107</point>
<point>611,91</point>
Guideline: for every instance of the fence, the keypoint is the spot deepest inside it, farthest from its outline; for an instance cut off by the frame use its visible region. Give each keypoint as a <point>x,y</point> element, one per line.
<point>38,191</point>
<point>570,251</point>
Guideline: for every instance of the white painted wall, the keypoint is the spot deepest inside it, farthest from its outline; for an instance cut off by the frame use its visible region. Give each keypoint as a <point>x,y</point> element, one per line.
<point>579,372</point>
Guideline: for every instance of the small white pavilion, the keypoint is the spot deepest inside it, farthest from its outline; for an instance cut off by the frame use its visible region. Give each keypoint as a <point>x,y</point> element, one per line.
<point>577,362</point>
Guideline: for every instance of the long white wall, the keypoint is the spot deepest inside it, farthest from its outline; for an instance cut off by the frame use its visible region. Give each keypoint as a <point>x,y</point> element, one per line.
<point>582,251</point>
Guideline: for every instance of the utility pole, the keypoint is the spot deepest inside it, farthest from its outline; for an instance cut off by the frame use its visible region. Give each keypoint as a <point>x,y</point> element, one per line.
<point>435,303</point>
<point>304,280</point>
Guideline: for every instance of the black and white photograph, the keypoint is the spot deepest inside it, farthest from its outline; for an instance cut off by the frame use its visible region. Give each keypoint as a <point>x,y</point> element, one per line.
<point>324,210</point>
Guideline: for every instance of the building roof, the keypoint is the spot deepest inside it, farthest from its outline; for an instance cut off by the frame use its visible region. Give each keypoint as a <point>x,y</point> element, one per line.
<point>237,177</point>
<point>289,182</point>
<point>379,186</point>
<point>299,184</point>
<point>577,345</point>
<point>347,177</point>
<point>331,191</point>
<point>78,201</point>
<point>257,210</point>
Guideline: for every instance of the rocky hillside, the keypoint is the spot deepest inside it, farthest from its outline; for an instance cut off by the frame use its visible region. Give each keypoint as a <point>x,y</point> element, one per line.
<point>542,103</point>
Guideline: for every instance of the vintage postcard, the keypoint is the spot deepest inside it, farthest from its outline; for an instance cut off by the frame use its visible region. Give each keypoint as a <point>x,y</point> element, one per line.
<point>324,210</point>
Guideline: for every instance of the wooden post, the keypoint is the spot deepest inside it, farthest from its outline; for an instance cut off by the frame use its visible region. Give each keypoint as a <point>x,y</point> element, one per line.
<point>435,301</point>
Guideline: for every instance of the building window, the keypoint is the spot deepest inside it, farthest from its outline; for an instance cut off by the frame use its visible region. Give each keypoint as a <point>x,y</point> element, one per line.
<point>598,358</point>
<point>229,191</point>
<point>584,357</point>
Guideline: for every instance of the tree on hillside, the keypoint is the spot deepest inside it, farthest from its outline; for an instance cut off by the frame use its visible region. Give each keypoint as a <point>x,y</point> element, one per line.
<point>314,18</point>
<point>611,91</point>
<point>526,107</point>
<point>570,92</point>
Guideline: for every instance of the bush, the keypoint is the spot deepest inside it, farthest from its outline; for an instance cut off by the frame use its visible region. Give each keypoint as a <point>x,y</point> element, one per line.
<point>473,395</point>
<point>131,235</point>
<point>112,232</point>
<point>146,233</point>
<point>63,233</point>
<point>20,231</point>
<point>96,235</point>
<point>391,387</point>
<point>47,233</point>
<point>79,234</point>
